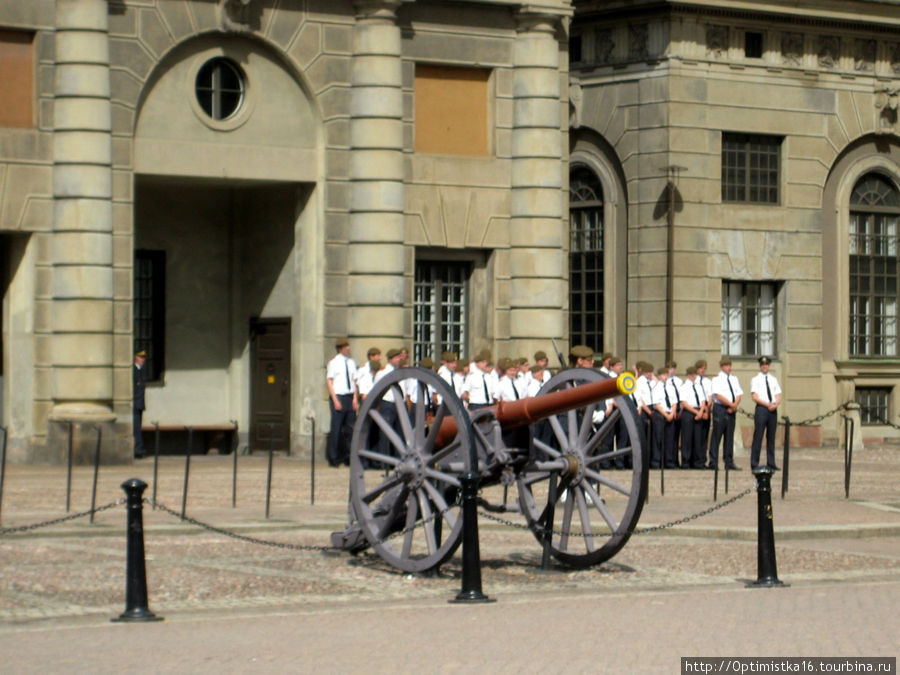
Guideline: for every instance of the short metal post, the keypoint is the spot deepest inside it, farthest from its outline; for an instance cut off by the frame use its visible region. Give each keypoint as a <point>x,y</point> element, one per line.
<point>187,469</point>
<point>716,483</point>
<point>312,461</point>
<point>69,472</point>
<point>234,460</point>
<point>848,452</point>
<point>786,456</point>
<point>2,468</point>
<point>269,473</point>
<point>471,555</point>
<point>96,472</point>
<point>547,521</point>
<point>136,608</point>
<point>662,474</point>
<point>155,463</point>
<point>768,574</point>
<point>726,479</point>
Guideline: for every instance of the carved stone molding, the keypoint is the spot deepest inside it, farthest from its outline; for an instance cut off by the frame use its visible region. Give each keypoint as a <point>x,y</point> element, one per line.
<point>638,36</point>
<point>792,48</point>
<point>829,51</point>
<point>864,55</point>
<point>241,15</point>
<point>717,41</point>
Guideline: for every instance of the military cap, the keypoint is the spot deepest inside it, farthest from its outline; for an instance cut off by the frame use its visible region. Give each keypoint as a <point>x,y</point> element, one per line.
<point>427,362</point>
<point>671,364</point>
<point>448,356</point>
<point>764,360</point>
<point>142,353</point>
<point>725,361</point>
<point>605,356</point>
<point>614,361</point>
<point>462,363</point>
<point>662,371</point>
<point>483,355</point>
<point>581,352</point>
<point>537,368</point>
<point>691,370</point>
<point>700,364</point>
<point>540,354</point>
<point>373,351</point>
<point>505,364</point>
<point>341,342</point>
<point>521,361</point>
<point>645,367</point>
<point>391,353</point>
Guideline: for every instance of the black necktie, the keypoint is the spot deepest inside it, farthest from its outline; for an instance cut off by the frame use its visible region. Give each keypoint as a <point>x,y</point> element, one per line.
<point>666,392</point>
<point>515,391</point>
<point>347,373</point>
<point>730,388</point>
<point>696,395</point>
<point>487,396</point>
<point>768,391</point>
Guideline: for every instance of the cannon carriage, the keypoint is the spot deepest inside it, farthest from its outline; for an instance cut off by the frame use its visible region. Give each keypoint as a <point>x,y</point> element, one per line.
<point>554,447</point>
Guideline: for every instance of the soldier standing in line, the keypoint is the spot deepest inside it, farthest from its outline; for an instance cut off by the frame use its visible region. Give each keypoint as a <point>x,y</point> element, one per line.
<point>727,394</point>
<point>478,389</point>
<point>581,356</point>
<point>387,407</point>
<point>705,421</point>
<point>138,403</point>
<point>673,382</point>
<point>766,393</point>
<point>664,420</point>
<point>693,407</point>
<point>340,375</point>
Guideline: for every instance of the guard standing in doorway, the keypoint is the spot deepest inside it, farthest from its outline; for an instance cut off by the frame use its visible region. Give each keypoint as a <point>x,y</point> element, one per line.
<point>766,393</point>
<point>140,384</point>
<point>343,400</point>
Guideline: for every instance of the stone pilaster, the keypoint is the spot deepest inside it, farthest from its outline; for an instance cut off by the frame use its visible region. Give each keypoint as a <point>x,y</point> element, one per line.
<point>81,252</point>
<point>375,259</point>
<point>537,233</point>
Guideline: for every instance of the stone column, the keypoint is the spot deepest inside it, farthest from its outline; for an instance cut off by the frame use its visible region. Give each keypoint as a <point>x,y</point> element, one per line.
<point>537,232</point>
<point>81,344</point>
<point>375,256</point>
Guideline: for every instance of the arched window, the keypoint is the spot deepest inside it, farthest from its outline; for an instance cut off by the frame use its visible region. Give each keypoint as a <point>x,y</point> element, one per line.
<point>874,224</point>
<point>585,258</point>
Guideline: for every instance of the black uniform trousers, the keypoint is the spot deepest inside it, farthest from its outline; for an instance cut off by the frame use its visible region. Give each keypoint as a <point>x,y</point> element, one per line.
<point>341,427</point>
<point>691,429</point>
<point>765,421</point>
<point>657,428</point>
<point>670,443</point>
<point>723,427</point>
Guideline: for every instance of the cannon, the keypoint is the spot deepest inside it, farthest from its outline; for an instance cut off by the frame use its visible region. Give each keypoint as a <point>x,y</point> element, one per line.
<point>554,447</point>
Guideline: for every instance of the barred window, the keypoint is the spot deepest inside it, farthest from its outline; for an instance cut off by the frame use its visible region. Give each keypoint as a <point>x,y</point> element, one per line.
<point>750,168</point>
<point>585,258</point>
<point>748,318</point>
<point>439,308</point>
<point>874,404</point>
<point>149,309</point>
<point>220,88</point>
<point>874,224</point>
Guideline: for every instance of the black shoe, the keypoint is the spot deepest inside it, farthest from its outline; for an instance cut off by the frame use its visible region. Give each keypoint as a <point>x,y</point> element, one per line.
<point>710,467</point>
<point>774,468</point>
<point>733,467</point>
<point>139,456</point>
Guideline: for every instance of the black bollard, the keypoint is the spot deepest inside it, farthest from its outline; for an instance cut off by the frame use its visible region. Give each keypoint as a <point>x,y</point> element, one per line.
<point>234,458</point>
<point>849,429</point>
<point>768,574</point>
<point>96,472</point>
<point>136,571</point>
<point>786,456</point>
<point>471,555</point>
<point>716,483</point>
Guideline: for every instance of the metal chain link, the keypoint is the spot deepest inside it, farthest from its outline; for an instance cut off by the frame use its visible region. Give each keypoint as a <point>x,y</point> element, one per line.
<point>63,519</point>
<point>540,530</point>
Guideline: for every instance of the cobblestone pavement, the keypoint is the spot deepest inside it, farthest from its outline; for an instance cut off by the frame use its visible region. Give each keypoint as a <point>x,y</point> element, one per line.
<point>60,585</point>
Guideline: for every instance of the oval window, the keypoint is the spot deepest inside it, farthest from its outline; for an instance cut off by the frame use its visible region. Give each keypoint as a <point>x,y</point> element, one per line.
<point>220,88</point>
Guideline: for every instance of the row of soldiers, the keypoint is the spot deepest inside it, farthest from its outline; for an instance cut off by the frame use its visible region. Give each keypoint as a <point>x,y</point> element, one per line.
<point>677,413</point>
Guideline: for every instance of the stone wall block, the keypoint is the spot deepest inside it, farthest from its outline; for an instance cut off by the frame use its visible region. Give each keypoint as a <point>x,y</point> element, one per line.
<point>376,70</point>
<point>377,290</point>
<point>377,102</point>
<point>82,248</point>
<point>536,112</point>
<point>82,349</point>
<point>374,164</point>
<point>541,232</point>
<point>82,113</point>
<point>542,292</point>
<point>82,282</point>
<point>536,323</point>
<point>531,262</point>
<point>81,47</point>
<point>82,214</point>
<point>153,33</point>
<point>389,319</point>
<point>382,38</point>
<point>90,147</point>
<point>545,173</point>
<point>376,258</point>
<point>80,180</point>
<point>377,195</point>
<point>91,15</point>
<point>376,227</point>
<point>531,202</point>
<point>84,316</point>
<point>82,384</point>
<point>536,83</point>
<point>537,143</point>
<point>376,133</point>
<point>81,79</point>
<point>537,50</point>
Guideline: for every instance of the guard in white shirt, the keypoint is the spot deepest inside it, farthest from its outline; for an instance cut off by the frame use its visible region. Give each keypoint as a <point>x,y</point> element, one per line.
<point>478,389</point>
<point>693,406</point>
<point>340,376</point>
<point>766,393</point>
<point>508,389</point>
<point>727,394</point>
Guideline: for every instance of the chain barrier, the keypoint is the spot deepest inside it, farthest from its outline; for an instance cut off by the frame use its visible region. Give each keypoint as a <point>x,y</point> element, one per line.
<point>811,421</point>
<point>63,519</point>
<point>539,529</point>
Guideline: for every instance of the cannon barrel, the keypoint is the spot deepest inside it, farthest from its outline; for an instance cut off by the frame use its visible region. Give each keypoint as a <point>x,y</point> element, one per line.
<point>525,411</point>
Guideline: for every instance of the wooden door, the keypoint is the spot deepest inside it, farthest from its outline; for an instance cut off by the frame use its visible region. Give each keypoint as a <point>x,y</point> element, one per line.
<point>270,384</point>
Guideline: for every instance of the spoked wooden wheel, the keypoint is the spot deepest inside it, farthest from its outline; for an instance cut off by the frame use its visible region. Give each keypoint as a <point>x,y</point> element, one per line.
<point>406,502</point>
<point>597,506</point>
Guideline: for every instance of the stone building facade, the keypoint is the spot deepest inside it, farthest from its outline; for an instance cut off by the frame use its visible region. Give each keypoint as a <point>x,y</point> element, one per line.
<point>233,184</point>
